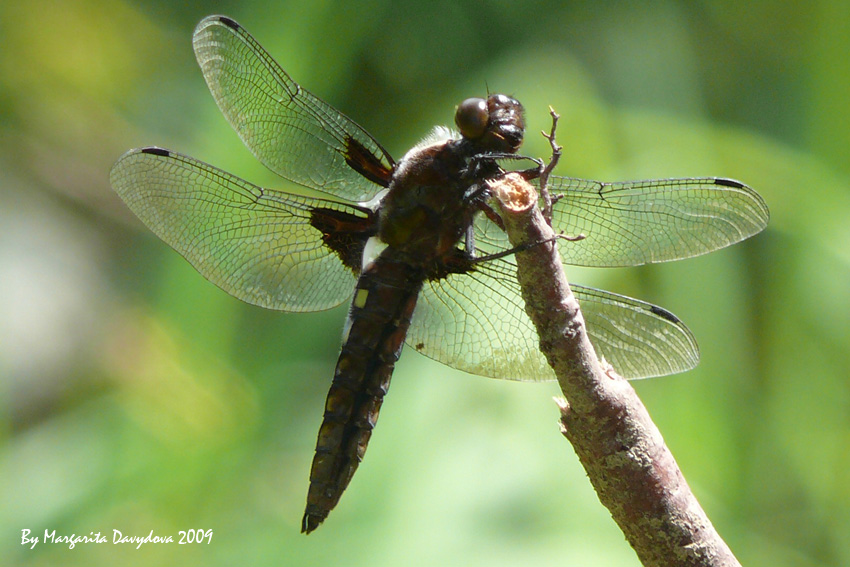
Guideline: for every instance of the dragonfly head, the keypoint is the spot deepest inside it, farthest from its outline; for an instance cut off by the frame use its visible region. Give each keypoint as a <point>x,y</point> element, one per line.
<point>494,124</point>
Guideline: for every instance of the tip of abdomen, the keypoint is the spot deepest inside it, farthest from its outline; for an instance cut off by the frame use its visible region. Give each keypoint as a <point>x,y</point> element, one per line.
<point>311,522</point>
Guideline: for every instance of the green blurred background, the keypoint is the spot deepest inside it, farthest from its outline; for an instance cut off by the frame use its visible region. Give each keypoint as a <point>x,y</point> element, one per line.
<point>137,396</point>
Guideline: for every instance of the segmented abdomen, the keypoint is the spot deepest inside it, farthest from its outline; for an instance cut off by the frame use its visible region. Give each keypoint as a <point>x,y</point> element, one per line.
<point>380,314</point>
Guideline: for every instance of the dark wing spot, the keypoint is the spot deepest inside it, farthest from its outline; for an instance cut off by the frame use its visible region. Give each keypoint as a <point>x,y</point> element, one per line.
<point>228,22</point>
<point>456,261</point>
<point>664,314</point>
<point>345,233</point>
<point>420,346</point>
<point>728,183</point>
<point>156,151</point>
<point>366,163</point>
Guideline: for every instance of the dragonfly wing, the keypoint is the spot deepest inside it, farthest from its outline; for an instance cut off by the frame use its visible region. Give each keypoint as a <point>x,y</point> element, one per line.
<point>639,339</point>
<point>476,322</point>
<point>641,222</point>
<point>265,247</point>
<point>291,131</point>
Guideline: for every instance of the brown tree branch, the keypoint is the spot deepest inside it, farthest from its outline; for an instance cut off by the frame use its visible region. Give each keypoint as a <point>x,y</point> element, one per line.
<point>631,469</point>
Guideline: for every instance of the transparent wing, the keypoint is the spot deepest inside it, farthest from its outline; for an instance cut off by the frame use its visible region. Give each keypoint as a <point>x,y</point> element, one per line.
<point>639,339</point>
<point>476,322</point>
<point>292,132</point>
<point>256,244</point>
<point>641,222</point>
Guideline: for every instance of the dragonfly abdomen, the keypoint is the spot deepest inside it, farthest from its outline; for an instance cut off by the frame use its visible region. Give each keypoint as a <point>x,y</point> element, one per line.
<point>383,304</point>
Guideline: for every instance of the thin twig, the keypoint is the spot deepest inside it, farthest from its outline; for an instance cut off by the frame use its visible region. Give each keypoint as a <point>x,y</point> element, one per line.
<point>546,171</point>
<point>631,469</point>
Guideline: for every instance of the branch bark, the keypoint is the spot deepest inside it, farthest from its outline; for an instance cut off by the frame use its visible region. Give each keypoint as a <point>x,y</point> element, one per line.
<point>631,469</point>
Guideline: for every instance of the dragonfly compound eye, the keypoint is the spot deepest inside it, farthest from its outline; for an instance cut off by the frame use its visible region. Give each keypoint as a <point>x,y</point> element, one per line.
<point>472,117</point>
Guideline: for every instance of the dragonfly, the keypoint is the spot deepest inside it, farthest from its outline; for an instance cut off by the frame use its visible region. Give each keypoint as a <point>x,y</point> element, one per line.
<point>413,245</point>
